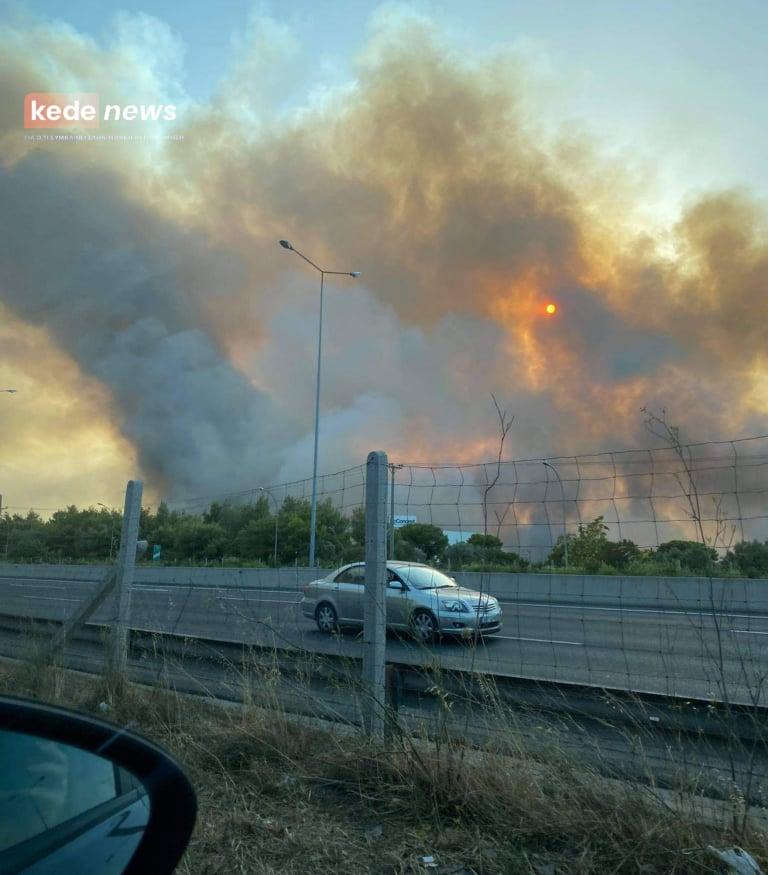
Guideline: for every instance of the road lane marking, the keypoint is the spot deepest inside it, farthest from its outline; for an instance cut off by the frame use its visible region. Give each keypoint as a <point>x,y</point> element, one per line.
<point>154,589</point>
<point>223,588</point>
<point>748,632</point>
<point>38,584</point>
<point>539,640</point>
<point>229,598</point>
<point>54,598</point>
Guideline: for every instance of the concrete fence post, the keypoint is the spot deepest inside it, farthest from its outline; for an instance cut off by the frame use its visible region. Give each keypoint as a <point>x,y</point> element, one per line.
<point>124,571</point>
<point>375,613</point>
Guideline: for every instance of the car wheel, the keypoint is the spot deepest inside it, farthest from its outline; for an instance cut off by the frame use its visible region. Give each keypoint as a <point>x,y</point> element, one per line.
<point>423,626</point>
<point>326,618</point>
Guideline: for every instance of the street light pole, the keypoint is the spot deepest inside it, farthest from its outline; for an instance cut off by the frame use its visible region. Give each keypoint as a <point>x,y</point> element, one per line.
<point>313,505</point>
<point>313,508</point>
<point>267,492</point>
<point>562,494</point>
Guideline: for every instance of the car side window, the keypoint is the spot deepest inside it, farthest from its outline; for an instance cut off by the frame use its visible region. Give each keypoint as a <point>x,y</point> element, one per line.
<point>355,574</point>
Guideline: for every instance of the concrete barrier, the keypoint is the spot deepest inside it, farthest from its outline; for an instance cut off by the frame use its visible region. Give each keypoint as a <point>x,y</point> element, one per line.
<point>737,595</point>
<point>729,595</point>
<point>259,578</point>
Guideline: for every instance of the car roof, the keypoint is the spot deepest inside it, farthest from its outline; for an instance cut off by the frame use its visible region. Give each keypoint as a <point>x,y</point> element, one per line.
<point>393,563</point>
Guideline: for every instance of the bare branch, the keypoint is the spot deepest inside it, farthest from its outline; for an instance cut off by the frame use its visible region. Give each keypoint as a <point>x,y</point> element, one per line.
<point>505,425</point>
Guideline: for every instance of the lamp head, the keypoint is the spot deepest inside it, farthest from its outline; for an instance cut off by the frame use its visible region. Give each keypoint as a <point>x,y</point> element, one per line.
<point>286,244</point>
<point>355,274</point>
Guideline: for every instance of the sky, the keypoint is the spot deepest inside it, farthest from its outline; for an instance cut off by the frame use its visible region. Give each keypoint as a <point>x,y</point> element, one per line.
<point>474,161</point>
<point>679,76</point>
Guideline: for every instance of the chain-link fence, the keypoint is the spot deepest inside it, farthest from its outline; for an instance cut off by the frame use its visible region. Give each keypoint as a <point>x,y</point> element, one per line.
<point>508,606</point>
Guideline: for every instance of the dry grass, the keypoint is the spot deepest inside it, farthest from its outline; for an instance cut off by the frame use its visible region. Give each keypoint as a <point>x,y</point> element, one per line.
<point>288,795</point>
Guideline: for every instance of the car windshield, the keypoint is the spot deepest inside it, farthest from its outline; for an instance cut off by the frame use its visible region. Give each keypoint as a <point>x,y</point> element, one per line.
<point>421,577</point>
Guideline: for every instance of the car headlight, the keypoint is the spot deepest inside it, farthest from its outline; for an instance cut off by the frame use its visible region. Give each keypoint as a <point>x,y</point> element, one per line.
<point>455,607</point>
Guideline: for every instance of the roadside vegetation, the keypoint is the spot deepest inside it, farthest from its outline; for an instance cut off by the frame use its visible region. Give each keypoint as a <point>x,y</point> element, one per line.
<point>244,534</point>
<point>285,794</point>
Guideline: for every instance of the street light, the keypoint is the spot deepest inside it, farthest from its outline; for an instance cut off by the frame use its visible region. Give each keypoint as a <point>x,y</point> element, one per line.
<point>354,274</point>
<point>10,391</point>
<point>562,494</point>
<point>267,492</point>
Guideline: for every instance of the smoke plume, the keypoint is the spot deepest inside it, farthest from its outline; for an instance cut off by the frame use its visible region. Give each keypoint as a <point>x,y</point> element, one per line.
<point>154,266</point>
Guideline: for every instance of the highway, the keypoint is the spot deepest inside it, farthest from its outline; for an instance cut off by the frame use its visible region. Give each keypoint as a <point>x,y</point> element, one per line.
<point>672,651</point>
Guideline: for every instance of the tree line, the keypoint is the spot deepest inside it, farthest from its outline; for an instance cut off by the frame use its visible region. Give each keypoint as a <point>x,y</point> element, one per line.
<point>250,534</point>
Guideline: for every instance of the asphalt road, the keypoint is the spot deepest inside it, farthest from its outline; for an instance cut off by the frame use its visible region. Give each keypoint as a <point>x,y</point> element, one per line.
<point>667,651</point>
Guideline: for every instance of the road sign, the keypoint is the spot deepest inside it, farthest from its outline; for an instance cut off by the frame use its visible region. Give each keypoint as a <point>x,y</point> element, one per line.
<point>156,552</point>
<point>403,521</point>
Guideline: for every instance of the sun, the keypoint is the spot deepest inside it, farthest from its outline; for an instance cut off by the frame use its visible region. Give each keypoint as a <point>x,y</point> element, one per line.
<point>551,309</point>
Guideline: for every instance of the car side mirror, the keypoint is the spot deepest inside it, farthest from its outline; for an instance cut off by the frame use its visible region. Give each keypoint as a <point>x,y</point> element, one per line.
<point>79,794</point>
<point>396,584</point>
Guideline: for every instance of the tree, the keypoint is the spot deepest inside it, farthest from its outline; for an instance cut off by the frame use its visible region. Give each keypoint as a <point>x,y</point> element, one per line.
<point>488,550</point>
<point>620,554</point>
<point>485,542</point>
<point>458,556</point>
<point>332,533</point>
<point>23,538</point>
<point>233,517</point>
<point>407,551</point>
<point>256,540</point>
<point>750,558</point>
<point>691,555</point>
<point>357,525</point>
<point>431,540</point>
<point>161,530</point>
<point>590,548</point>
<point>198,540</point>
<point>83,534</point>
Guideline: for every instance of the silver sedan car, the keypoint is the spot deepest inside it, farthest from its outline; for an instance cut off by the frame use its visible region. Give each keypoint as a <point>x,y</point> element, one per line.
<point>420,600</point>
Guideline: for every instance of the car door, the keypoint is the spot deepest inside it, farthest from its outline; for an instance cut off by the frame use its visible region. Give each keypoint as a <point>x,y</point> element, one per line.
<point>397,600</point>
<point>349,586</point>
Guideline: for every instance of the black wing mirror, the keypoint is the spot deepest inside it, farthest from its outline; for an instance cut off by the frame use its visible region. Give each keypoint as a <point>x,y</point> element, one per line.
<point>78,794</point>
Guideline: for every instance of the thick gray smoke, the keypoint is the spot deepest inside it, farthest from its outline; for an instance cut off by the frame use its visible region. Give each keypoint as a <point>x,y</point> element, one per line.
<point>120,291</point>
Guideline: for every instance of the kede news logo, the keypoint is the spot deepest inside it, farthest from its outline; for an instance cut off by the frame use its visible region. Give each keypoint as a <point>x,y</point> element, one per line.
<point>47,110</point>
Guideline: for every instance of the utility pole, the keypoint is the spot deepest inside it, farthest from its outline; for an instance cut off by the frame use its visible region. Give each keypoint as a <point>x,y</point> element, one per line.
<point>124,571</point>
<point>375,608</point>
